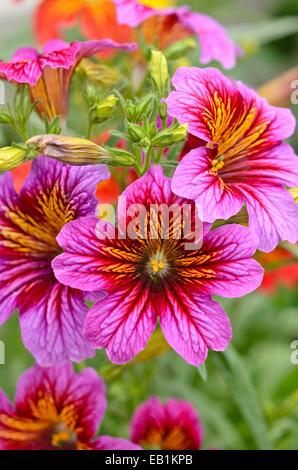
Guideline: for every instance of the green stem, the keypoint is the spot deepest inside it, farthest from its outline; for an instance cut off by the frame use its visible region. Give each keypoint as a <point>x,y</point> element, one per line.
<point>89,130</point>
<point>147,161</point>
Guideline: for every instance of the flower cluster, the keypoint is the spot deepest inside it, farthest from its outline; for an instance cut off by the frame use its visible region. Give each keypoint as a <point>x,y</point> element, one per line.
<point>204,171</point>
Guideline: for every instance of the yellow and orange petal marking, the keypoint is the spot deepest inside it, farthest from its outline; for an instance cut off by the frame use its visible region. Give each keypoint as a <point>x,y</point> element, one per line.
<point>33,230</point>
<point>46,424</point>
<point>175,439</point>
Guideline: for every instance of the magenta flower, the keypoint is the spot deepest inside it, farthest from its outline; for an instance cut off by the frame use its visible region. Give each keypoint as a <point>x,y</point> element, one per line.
<point>51,315</point>
<point>172,426</point>
<point>244,160</point>
<point>56,409</point>
<point>150,277</point>
<point>165,25</point>
<point>49,74</point>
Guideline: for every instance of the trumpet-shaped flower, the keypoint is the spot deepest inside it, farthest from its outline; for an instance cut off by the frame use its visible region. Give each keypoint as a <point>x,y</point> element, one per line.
<point>56,409</point>
<point>243,159</point>
<point>96,18</point>
<point>164,26</point>
<point>151,274</point>
<point>51,315</point>
<point>49,74</point>
<point>174,425</point>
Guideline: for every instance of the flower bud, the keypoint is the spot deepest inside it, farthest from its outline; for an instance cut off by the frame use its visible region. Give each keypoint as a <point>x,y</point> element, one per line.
<point>120,157</point>
<point>135,132</point>
<point>168,137</point>
<point>159,72</point>
<point>72,150</point>
<point>5,117</point>
<point>11,157</point>
<point>103,110</point>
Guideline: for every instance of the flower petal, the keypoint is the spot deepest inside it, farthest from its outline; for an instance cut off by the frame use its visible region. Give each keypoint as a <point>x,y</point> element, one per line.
<point>75,186</point>
<point>213,39</point>
<point>194,179</point>
<point>226,113</point>
<point>84,264</point>
<point>273,214</point>
<point>52,330</point>
<point>225,265</point>
<point>192,324</point>
<point>122,324</point>
<point>113,443</point>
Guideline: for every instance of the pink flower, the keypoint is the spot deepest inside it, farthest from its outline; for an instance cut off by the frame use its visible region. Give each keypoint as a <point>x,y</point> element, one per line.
<point>169,24</point>
<point>243,161</point>
<point>51,315</point>
<point>56,409</point>
<point>150,275</point>
<point>49,74</point>
<point>172,426</point>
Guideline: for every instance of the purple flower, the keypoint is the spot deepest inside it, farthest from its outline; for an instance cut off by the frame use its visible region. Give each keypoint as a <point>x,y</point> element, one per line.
<point>167,25</point>
<point>51,315</point>
<point>151,277</point>
<point>56,409</point>
<point>244,160</point>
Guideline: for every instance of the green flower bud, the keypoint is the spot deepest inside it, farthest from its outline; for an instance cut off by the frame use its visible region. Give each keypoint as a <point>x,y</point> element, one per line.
<point>103,110</point>
<point>159,72</point>
<point>11,157</point>
<point>135,132</point>
<point>5,117</point>
<point>170,136</point>
<point>121,157</point>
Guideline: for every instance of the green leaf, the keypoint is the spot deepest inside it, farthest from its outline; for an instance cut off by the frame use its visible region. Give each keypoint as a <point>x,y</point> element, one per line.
<point>203,372</point>
<point>243,393</point>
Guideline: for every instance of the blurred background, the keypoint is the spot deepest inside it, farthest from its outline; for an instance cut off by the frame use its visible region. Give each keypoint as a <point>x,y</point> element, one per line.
<point>261,408</point>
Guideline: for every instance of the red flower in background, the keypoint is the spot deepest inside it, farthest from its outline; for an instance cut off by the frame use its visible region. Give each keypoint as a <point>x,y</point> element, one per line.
<point>281,270</point>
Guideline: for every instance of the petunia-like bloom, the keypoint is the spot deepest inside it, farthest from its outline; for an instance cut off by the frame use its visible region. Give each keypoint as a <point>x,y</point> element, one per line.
<point>174,425</point>
<point>56,409</point>
<point>49,74</point>
<point>244,159</point>
<point>164,26</point>
<point>51,315</point>
<point>151,274</point>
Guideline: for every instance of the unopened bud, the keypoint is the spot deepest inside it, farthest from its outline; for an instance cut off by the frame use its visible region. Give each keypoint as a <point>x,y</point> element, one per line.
<point>11,157</point>
<point>103,110</point>
<point>135,132</point>
<point>168,137</point>
<point>120,157</point>
<point>159,72</point>
<point>72,150</point>
<point>5,117</point>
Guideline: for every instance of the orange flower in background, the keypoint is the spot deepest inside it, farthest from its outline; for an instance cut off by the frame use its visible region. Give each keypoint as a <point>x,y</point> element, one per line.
<point>96,18</point>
